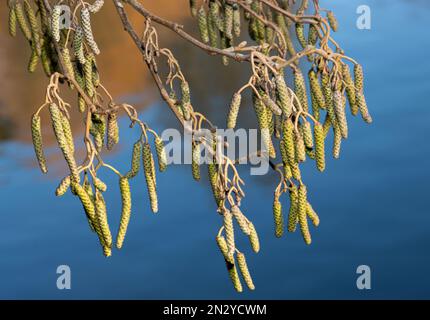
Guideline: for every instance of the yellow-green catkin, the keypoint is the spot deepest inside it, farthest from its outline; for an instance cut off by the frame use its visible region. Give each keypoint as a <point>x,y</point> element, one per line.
<point>99,184</point>
<point>229,231</point>
<point>300,89</point>
<point>316,89</point>
<point>234,110</point>
<point>253,238</point>
<point>337,141</point>
<point>301,211</point>
<point>213,179</point>
<point>293,212</point>
<point>278,216</point>
<point>88,75</point>
<point>22,22</point>
<point>67,129</point>
<point>63,186</point>
<point>214,12</point>
<point>313,216</point>
<point>78,48</point>
<point>243,267</point>
<point>36,134</point>
<point>86,201</point>
<point>126,211</point>
<point>283,96</point>
<point>312,35</point>
<point>195,161</point>
<point>340,113</point>
<point>306,131</point>
<point>319,146</point>
<point>241,219</point>
<point>300,33</point>
<point>186,100</point>
<point>12,21</point>
<point>148,165</point>
<point>299,146</point>
<point>67,62</point>
<point>102,220</point>
<point>350,89</point>
<point>135,160</point>
<point>228,21</point>
<point>161,154</point>
<point>222,245</point>
<point>288,139</point>
<point>236,21</point>
<point>362,106</point>
<point>332,21</point>
<point>358,77</point>
<point>213,32</point>
<point>34,27</point>
<point>203,25</point>
<point>193,7</point>
<point>88,33</point>
<point>32,63</point>
<point>234,276</point>
<point>55,23</point>
<point>263,122</point>
<point>112,131</point>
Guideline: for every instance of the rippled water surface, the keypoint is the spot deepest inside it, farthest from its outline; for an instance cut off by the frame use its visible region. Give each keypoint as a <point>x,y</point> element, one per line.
<point>373,202</point>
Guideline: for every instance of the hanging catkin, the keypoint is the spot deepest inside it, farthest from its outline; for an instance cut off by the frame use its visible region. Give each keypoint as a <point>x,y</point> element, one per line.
<point>241,219</point>
<point>283,95</point>
<point>299,146</point>
<point>88,33</point>
<point>243,267</point>
<point>195,160</point>
<point>319,146</point>
<point>32,63</point>
<point>340,113</point>
<point>99,184</point>
<point>332,21</point>
<point>36,134</point>
<point>228,21</point>
<point>22,22</point>
<point>306,131</point>
<point>135,160</point>
<point>312,215</point>
<point>112,131</point>
<point>203,25</point>
<point>161,154</point>
<point>126,211</point>
<point>301,211</point>
<point>337,141</point>
<point>253,238</point>
<point>102,220</point>
<point>34,27</point>
<point>350,89</point>
<point>12,21</point>
<point>67,63</point>
<point>148,165</point>
<point>88,75</point>
<point>78,47</point>
<point>86,201</point>
<point>229,231</point>
<point>67,129</point>
<point>96,6</point>
<point>63,187</point>
<point>270,104</point>
<point>193,7</point>
<point>362,106</point>
<point>234,276</point>
<point>316,89</point>
<point>293,212</point>
<point>186,100</point>
<point>300,33</point>
<point>222,245</point>
<point>288,139</point>
<point>236,20</point>
<point>55,23</point>
<point>278,216</point>
<point>300,89</point>
<point>234,110</point>
<point>358,77</point>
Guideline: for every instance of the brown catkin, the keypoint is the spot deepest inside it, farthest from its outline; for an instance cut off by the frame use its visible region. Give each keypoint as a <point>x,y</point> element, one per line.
<point>340,113</point>
<point>234,276</point>
<point>301,211</point>
<point>63,186</point>
<point>293,212</point>
<point>112,131</point>
<point>148,166</point>
<point>278,217</point>
<point>161,154</point>
<point>319,146</point>
<point>229,231</point>
<point>332,21</point>
<point>234,110</point>
<point>241,219</point>
<point>243,267</point>
<point>203,25</point>
<point>253,238</point>
<point>125,212</point>
<point>222,245</point>
<point>271,105</point>
<point>36,134</point>
<point>300,89</point>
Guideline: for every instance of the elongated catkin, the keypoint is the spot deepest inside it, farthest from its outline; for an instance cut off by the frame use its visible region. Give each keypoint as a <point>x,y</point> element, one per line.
<point>148,166</point>
<point>36,134</point>
<point>243,267</point>
<point>125,212</point>
<point>301,210</point>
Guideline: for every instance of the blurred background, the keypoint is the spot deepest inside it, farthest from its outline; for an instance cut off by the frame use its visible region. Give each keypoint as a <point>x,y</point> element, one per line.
<point>372,201</point>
